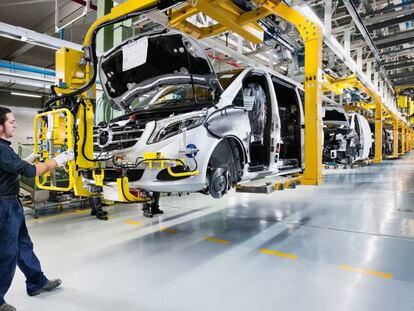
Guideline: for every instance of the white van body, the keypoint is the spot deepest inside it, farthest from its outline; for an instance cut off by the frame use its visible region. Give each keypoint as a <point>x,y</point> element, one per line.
<point>232,127</point>
<point>361,126</point>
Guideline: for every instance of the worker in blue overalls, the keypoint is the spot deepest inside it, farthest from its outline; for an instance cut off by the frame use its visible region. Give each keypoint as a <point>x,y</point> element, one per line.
<point>16,248</point>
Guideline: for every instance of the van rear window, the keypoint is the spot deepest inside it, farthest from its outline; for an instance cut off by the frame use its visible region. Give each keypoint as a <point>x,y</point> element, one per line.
<point>334,115</point>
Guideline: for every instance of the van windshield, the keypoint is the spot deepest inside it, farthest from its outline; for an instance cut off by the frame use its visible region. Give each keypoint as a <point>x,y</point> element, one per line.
<point>175,96</point>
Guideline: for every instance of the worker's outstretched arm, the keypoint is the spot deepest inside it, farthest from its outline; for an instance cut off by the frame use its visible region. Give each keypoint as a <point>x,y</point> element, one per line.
<point>60,160</point>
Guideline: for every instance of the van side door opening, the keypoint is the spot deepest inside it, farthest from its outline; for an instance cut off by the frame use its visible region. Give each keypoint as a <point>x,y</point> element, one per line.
<point>260,116</point>
<point>290,153</point>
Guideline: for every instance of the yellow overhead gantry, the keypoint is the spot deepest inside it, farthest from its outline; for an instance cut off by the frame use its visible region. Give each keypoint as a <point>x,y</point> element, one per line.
<point>353,82</point>
<point>382,114</point>
<point>76,73</point>
<point>406,104</point>
<point>229,17</point>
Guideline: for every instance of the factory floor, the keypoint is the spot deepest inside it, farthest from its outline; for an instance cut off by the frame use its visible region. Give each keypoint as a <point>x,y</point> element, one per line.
<point>345,245</point>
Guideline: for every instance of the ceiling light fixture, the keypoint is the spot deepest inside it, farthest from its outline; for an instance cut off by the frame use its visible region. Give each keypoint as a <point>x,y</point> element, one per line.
<point>26,94</point>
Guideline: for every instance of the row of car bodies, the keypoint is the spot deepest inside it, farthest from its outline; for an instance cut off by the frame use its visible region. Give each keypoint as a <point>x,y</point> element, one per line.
<point>210,131</point>
<point>349,137</point>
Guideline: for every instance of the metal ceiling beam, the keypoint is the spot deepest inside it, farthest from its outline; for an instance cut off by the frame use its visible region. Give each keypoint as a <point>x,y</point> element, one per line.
<point>395,52</point>
<point>409,81</point>
<point>402,75</point>
<point>35,38</point>
<point>390,22</point>
<point>389,8</point>
<point>403,64</point>
<point>398,61</point>
<point>396,39</point>
<point>46,26</point>
<point>82,2</point>
<point>364,32</point>
<point>367,6</point>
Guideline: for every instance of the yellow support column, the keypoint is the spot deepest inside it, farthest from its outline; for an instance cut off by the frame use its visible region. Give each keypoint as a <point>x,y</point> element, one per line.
<point>313,38</point>
<point>407,139</point>
<point>411,139</point>
<point>378,132</point>
<point>395,138</point>
<point>402,139</point>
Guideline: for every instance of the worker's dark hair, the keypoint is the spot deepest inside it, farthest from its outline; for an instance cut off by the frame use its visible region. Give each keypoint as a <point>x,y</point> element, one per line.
<point>3,112</point>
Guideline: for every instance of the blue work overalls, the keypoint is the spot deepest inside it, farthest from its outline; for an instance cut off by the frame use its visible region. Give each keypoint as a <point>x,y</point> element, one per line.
<point>16,248</point>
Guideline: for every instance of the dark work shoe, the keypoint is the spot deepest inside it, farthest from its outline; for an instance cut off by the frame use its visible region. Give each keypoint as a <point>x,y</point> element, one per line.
<point>49,286</point>
<point>156,210</point>
<point>7,307</point>
<point>147,213</point>
<point>102,215</point>
<point>98,212</point>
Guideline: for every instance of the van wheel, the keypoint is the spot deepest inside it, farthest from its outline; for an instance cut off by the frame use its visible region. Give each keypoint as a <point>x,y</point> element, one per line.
<point>219,182</point>
<point>222,171</point>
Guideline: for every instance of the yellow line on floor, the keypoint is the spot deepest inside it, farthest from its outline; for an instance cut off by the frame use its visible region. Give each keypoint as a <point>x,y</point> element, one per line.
<point>79,211</point>
<point>215,240</point>
<point>132,222</point>
<point>279,254</point>
<point>367,272</point>
<point>169,230</point>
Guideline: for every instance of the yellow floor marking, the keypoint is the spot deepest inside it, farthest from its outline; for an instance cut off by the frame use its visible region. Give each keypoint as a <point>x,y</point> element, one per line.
<point>132,222</point>
<point>169,230</point>
<point>276,253</point>
<point>215,240</point>
<point>79,211</point>
<point>367,271</point>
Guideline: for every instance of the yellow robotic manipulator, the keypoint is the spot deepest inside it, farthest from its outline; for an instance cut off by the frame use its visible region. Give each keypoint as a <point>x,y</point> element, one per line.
<point>66,121</point>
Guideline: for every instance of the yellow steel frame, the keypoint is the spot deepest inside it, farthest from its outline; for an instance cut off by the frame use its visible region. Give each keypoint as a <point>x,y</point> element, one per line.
<point>395,138</point>
<point>406,103</point>
<point>157,159</point>
<point>230,17</point>
<point>72,75</point>
<point>402,140</point>
<point>313,39</point>
<point>57,137</point>
<point>353,82</point>
<point>124,193</point>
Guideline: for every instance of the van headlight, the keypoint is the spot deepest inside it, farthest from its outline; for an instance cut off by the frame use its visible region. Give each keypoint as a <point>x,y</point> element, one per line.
<point>166,128</point>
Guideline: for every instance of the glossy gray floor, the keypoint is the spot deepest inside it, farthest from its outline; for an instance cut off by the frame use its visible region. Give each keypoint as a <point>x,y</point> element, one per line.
<point>346,245</point>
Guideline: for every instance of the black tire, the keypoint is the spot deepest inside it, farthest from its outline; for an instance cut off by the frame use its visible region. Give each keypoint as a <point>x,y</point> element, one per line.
<point>222,168</point>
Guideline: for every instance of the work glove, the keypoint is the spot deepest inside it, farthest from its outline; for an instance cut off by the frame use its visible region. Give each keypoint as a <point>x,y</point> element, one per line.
<point>32,157</point>
<point>64,157</point>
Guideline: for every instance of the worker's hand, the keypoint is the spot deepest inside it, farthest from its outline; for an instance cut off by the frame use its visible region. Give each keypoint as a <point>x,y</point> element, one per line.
<point>64,157</point>
<point>32,157</point>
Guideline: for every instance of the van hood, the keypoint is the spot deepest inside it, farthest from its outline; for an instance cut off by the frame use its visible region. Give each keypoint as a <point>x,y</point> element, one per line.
<point>154,59</point>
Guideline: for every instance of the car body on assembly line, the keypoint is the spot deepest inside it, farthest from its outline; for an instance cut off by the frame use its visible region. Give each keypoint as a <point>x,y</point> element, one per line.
<point>213,131</point>
<point>347,137</point>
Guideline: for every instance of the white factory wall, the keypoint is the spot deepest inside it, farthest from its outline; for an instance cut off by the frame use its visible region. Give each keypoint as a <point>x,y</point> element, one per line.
<point>24,110</point>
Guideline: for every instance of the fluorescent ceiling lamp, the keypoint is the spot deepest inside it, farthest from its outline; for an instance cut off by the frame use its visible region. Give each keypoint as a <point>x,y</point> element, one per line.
<point>26,94</point>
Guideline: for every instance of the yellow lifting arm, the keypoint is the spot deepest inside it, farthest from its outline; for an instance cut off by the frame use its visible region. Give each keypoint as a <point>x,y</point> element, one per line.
<point>313,38</point>
<point>120,10</point>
